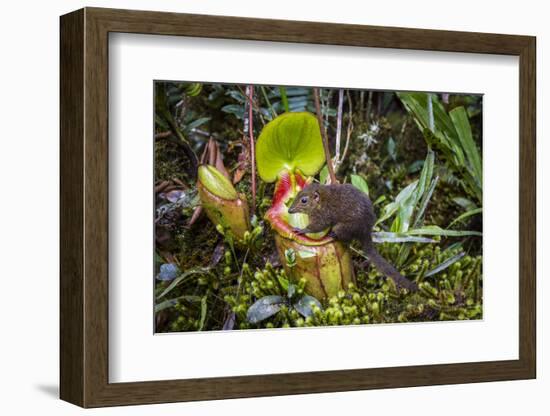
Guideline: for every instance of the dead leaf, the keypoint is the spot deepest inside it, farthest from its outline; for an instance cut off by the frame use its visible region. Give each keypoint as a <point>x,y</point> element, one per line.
<point>196,214</point>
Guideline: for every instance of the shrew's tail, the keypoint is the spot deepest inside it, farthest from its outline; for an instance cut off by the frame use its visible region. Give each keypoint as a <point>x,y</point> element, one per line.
<point>386,268</point>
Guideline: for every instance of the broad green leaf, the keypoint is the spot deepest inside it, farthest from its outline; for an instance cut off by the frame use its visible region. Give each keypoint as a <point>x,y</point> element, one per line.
<point>305,305</point>
<point>289,142</point>
<point>403,219</point>
<point>360,183</point>
<point>445,264</point>
<point>264,308</point>
<point>213,180</point>
<point>410,204</point>
<point>392,207</point>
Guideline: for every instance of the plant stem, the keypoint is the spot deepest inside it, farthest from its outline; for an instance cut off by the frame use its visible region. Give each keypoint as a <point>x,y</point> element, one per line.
<point>284,98</point>
<point>324,137</point>
<point>273,112</point>
<point>430,113</point>
<point>338,127</point>
<point>369,104</point>
<point>250,91</point>
<point>349,130</point>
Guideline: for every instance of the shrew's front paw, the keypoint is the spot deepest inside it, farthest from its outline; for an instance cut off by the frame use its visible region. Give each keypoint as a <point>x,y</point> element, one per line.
<point>298,231</point>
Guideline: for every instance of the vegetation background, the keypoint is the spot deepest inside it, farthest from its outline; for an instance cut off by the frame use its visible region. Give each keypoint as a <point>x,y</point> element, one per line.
<point>417,155</point>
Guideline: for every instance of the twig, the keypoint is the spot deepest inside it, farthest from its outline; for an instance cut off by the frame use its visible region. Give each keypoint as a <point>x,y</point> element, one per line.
<point>163,135</point>
<point>349,130</point>
<point>250,91</point>
<point>361,104</point>
<point>369,104</point>
<point>324,136</point>
<point>338,127</point>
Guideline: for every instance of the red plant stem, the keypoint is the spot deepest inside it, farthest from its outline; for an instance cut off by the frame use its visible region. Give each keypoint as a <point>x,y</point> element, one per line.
<point>324,135</point>
<point>252,146</point>
<point>338,127</point>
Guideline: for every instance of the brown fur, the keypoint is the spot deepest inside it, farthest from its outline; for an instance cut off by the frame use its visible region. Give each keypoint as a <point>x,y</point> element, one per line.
<point>348,212</point>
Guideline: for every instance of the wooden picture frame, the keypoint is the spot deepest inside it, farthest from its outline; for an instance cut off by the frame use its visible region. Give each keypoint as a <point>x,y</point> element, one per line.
<point>84,207</point>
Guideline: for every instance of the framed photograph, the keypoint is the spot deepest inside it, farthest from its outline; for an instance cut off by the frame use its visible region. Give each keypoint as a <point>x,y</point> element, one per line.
<point>256,207</point>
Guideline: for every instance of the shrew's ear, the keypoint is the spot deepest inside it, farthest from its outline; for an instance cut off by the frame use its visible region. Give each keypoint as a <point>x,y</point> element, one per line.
<point>316,196</point>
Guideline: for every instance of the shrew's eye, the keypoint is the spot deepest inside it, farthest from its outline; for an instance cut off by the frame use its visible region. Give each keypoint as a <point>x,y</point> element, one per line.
<point>304,200</point>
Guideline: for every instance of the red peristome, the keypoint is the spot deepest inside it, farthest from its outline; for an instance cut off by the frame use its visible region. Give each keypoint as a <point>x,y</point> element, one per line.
<point>301,181</point>
<point>284,190</point>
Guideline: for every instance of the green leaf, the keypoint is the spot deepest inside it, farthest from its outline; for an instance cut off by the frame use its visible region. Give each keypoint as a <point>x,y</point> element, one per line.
<point>464,203</point>
<point>192,89</point>
<point>435,230</point>
<point>360,183</point>
<point>466,215</point>
<point>284,98</point>
<point>387,237</point>
<point>213,180</point>
<point>197,123</point>
<point>452,137</point>
<point>204,309</point>
<point>181,278</point>
<point>289,142</point>
<point>264,308</point>
<point>304,306</point>
<point>424,203</point>
<point>291,291</point>
<point>391,148</point>
<point>171,302</point>
<point>445,264</point>
<point>283,282</point>
<point>235,109</point>
<point>392,207</point>
<point>462,126</point>
<point>323,175</point>
<point>425,176</point>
